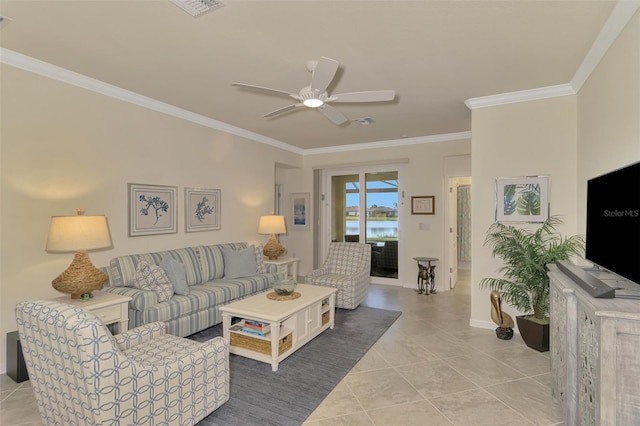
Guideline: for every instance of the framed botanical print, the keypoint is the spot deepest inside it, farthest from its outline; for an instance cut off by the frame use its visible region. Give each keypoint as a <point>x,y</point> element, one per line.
<point>152,209</point>
<point>522,199</point>
<point>202,209</point>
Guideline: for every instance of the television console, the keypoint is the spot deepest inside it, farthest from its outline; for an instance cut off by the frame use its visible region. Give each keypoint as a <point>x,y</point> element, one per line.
<point>594,343</point>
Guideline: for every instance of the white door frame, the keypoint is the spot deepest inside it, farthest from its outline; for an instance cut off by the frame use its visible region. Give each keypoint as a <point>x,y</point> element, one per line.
<point>454,166</point>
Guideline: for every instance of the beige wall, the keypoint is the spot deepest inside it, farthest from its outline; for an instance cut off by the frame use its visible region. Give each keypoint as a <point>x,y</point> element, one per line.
<point>572,138</point>
<point>424,175</point>
<point>609,112</point>
<point>521,139</point>
<point>64,148</point>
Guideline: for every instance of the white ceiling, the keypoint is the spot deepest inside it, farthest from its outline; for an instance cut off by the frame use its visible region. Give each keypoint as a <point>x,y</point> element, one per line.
<point>434,54</point>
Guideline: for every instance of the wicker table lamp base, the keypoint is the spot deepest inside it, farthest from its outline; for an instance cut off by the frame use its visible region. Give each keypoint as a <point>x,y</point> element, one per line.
<point>80,277</point>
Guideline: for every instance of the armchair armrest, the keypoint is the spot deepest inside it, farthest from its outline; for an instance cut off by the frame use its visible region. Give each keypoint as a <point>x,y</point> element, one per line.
<point>141,334</point>
<point>323,270</point>
<point>363,274</point>
<point>215,351</point>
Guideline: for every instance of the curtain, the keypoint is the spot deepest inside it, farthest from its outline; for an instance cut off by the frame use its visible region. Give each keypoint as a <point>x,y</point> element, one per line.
<point>464,223</point>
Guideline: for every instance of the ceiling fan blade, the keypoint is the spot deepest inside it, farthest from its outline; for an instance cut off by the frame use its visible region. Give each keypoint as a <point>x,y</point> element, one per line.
<point>370,96</point>
<point>283,110</point>
<point>323,74</point>
<point>264,89</point>
<point>333,114</point>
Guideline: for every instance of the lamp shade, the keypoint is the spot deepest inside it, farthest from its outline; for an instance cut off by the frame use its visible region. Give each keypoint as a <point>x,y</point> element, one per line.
<point>72,233</point>
<point>272,224</point>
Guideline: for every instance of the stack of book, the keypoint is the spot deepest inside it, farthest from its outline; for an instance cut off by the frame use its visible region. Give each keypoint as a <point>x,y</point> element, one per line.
<point>255,327</point>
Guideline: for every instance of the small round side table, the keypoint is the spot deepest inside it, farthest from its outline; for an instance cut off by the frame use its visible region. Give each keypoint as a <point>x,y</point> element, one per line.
<point>426,275</point>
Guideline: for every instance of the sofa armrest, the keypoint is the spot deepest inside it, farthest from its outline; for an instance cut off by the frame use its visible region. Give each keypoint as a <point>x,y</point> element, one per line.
<point>140,299</point>
<point>271,268</point>
<point>138,335</point>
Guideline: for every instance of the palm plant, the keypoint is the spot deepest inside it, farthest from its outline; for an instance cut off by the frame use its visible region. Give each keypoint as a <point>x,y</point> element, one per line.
<point>525,284</point>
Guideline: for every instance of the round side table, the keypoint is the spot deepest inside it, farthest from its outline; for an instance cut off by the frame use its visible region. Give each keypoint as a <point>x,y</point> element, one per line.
<point>426,275</point>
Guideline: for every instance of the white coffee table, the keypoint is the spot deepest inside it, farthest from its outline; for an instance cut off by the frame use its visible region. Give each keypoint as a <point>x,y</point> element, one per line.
<point>292,323</point>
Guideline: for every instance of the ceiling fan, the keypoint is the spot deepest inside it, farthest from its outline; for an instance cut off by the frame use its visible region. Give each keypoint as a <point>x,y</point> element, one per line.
<point>315,95</point>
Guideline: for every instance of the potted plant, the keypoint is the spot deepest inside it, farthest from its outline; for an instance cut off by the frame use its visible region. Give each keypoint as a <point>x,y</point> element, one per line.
<point>525,284</point>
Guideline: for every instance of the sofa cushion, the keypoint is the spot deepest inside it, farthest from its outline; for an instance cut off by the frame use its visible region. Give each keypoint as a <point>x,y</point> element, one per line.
<point>153,277</point>
<point>123,268</point>
<point>177,275</point>
<point>239,263</point>
<point>212,262</point>
<point>206,296</point>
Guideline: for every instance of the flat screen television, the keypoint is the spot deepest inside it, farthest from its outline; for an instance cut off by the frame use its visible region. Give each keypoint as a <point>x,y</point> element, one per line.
<point>613,222</point>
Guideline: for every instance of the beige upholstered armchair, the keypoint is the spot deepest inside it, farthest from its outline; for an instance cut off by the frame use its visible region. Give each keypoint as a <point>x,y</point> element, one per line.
<point>347,268</point>
<point>82,375</point>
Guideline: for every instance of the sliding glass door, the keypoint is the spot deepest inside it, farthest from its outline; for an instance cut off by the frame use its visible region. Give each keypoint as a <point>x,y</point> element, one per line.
<point>363,206</point>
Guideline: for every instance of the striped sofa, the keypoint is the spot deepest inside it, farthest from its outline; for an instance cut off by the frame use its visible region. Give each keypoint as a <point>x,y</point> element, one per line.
<point>208,287</point>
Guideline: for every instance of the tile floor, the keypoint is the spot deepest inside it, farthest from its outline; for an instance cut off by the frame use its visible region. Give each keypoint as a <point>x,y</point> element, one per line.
<point>430,368</point>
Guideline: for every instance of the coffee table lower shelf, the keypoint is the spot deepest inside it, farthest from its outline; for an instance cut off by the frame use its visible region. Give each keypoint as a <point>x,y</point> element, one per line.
<point>243,341</point>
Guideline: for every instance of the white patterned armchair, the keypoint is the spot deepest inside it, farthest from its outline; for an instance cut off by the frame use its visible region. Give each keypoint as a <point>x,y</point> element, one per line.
<point>347,268</point>
<point>82,375</point>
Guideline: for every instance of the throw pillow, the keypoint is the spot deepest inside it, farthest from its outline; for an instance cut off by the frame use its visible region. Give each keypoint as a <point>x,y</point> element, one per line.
<point>176,274</point>
<point>260,266</point>
<point>153,277</point>
<point>239,264</point>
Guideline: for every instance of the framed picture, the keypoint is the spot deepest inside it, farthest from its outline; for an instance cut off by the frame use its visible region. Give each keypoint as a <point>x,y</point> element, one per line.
<point>152,209</point>
<point>202,209</point>
<point>299,212</point>
<point>423,204</point>
<point>522,199</point>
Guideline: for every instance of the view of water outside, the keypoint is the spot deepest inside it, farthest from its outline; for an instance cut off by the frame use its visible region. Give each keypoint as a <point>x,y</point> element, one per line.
<point>380,227</point>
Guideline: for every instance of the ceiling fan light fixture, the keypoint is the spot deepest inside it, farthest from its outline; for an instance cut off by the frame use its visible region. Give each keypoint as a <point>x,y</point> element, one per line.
<point>313,102</point>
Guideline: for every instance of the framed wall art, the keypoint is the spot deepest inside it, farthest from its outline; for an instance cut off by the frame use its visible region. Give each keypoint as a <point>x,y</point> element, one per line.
<point>423,204</point>
<point>202,209</point>
<point>152,209</point>
<point>522,199</point>
<point>299,212</point>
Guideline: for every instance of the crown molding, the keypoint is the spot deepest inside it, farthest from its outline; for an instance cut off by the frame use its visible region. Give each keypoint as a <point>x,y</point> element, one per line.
<point>54,72</point>
<point>520,96</point>
<point>445,137</point>
<point>620,16</point>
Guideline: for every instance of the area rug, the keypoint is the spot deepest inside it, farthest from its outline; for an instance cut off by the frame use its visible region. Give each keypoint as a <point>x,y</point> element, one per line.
<point>288,396</point>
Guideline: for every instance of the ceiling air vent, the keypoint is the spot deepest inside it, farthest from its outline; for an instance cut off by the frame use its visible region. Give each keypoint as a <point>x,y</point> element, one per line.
<point>363,121</point>
<point>198,7</point>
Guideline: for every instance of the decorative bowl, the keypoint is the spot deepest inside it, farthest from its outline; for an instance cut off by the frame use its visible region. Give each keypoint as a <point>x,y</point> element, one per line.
<point>284,287</point>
